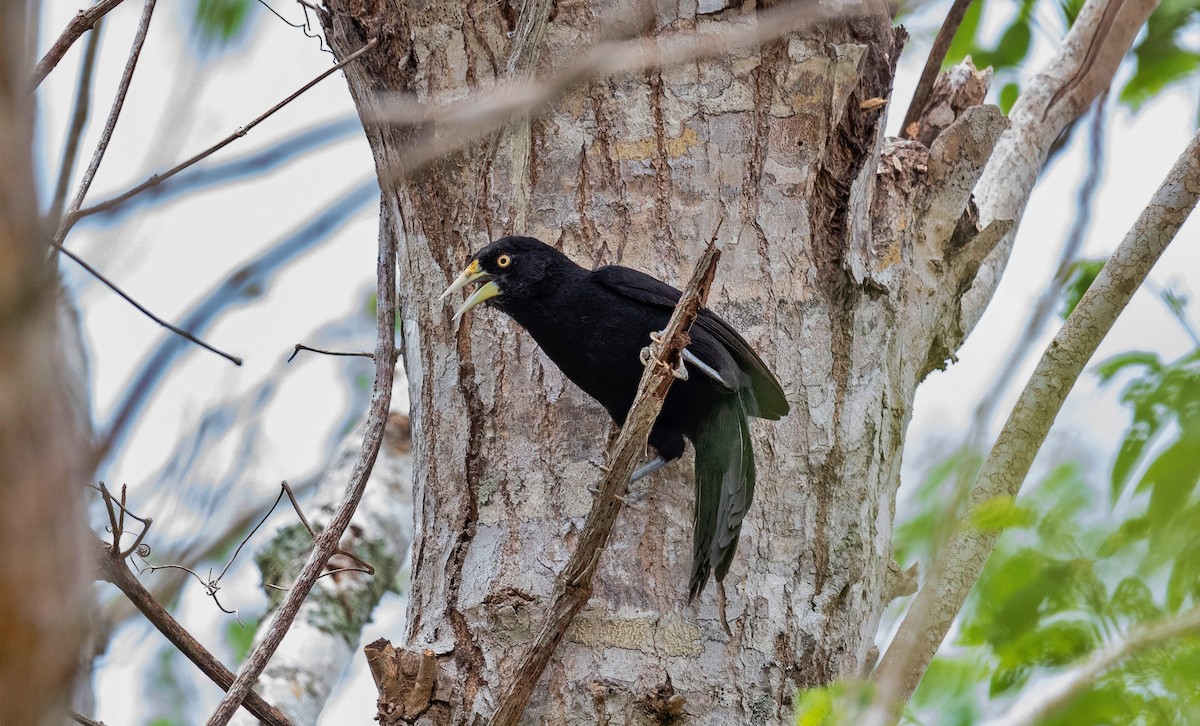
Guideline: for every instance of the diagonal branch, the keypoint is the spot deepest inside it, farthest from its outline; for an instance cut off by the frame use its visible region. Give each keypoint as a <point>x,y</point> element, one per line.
<point>574,586</point>
<point>79,116</point>
<point>327,543</point>
<point>84,21</point>
<point>114,570</point>
<point>142,308</point>
<point>958,566</point>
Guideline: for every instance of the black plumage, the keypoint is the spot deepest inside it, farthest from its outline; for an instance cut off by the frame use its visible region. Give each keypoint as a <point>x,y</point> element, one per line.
<point>594,324</point>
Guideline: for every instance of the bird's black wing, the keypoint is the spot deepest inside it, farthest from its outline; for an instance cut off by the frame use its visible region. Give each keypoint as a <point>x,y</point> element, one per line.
<point>772,404</point>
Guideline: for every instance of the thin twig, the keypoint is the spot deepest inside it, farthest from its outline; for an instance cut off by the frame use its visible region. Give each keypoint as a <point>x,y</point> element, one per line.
<point>80,718</point>
<point>957,568</point>
<point>83,21</point>
<point>135,52</point>
<point>83,102</point>
<point>327,543</point>
<point>112,286</point>
<point>159,178</point>
<point>300,347</point>
<point>933,64</point>
<point>1037,704</point>
<point>573,588</point>
<point>113,569</point>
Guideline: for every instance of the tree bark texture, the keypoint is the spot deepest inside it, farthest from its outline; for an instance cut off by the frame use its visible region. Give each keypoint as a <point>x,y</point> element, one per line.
<point>43,415</point>
<point>843,272</point>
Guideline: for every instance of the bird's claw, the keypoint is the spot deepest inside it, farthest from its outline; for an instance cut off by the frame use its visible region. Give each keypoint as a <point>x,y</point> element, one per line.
<point>647,353</point>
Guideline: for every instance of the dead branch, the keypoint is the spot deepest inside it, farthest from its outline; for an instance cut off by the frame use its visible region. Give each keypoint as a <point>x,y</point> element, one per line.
<point>327,543</point>
<point>956,569</point>
<point>573,588</point>
<point>84,21</point>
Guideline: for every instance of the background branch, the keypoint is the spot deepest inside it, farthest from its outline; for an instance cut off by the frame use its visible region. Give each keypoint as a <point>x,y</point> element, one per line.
<point>327,543</point>
<point>79,116</point>
<point>80,24</point>
<point>573,588</point>
<point>135,52</point>
<point>112,568</point>
<point>957,568</point>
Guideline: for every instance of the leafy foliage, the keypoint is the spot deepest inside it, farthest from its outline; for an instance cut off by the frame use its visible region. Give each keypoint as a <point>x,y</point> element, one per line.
<point>1163,55</point>
<point>1076,572</point>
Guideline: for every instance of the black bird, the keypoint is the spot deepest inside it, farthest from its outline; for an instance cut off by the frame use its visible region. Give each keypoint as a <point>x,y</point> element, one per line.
<point>594,325</point>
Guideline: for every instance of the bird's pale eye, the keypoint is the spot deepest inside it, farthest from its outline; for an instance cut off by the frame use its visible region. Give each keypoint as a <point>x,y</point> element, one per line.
<point>503,261</point>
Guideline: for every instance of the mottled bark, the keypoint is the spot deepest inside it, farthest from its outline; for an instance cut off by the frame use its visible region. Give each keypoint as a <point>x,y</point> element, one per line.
<point>43,440</point>
<point>839,270</point>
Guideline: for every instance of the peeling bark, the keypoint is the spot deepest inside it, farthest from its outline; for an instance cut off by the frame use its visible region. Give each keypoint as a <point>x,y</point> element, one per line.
<point>841,262</point>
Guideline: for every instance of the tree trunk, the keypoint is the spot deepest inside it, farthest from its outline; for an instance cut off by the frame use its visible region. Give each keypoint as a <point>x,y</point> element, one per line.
<point>842,272</point>
<point>43,414</point>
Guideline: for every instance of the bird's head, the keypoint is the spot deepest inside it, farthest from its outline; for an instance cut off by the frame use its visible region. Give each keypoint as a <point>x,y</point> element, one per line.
<point>513,270</point>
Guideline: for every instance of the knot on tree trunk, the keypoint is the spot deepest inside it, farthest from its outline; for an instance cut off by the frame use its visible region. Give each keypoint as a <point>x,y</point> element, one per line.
<point>409,683</point>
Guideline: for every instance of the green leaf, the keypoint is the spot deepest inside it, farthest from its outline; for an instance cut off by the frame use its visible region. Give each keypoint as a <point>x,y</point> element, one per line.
<point>221,20</point>
<point>964,40</point>
<point>1001,513</point>
<point>1008,96</point>
<point>1013,45</point>
<point>1107,369</point>
<point>1132,598</point>
<point>1079,278</point>
<point>240,638</point>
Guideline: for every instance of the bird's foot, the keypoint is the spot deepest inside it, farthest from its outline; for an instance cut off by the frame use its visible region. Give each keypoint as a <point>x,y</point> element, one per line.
<point>647,354</point>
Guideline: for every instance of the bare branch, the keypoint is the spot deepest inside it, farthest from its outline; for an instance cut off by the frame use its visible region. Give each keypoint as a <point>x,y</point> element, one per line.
<point>327,543</point>
<point>933,64</point>
<point>957,568</point>
<point>160,178</point>
<point>300,347</point>
<point>83,102</point>
<point>113,569</point>
<point>113,286</point>
<point>1038,704</point>
<point>573,588</point>
<point>84,21</point>
<point>114,113</point>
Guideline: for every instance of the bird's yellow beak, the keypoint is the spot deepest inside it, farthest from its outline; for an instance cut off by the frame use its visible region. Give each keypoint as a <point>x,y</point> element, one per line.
<point>473,273</point>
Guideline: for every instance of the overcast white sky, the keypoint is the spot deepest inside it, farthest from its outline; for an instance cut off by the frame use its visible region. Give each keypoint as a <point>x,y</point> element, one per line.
<point>172,255</point>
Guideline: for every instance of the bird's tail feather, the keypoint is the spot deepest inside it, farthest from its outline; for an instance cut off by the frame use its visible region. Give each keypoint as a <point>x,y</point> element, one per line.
<point>724,490</point>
